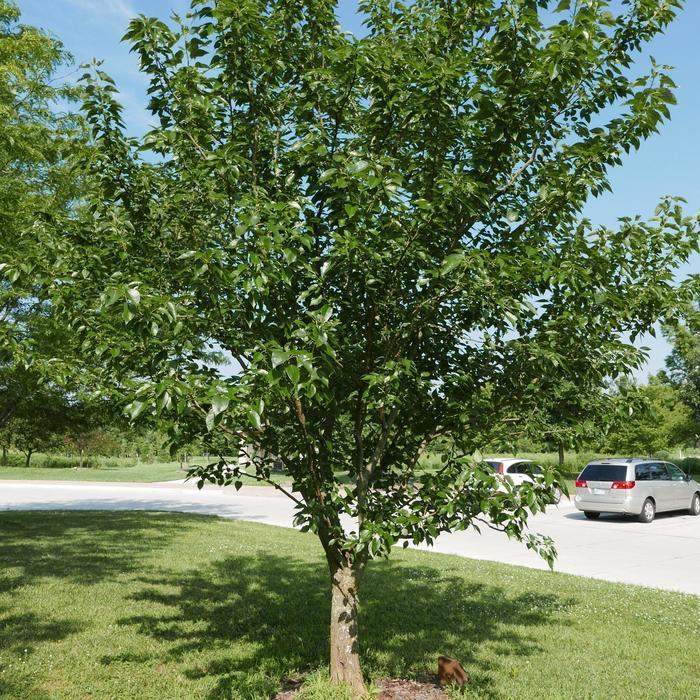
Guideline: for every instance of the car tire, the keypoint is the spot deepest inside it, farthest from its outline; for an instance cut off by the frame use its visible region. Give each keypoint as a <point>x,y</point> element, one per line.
<point>591,515</point>
<point>695,504</point>
<point>648,511</point>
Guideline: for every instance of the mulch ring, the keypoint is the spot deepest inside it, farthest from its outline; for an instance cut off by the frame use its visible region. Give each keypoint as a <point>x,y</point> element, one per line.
<point>390,689</point>
<point>403,689</point>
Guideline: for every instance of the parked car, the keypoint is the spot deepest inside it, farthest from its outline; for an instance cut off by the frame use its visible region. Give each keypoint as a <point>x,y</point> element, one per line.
<point>641,487</point>
<point>520,471</point>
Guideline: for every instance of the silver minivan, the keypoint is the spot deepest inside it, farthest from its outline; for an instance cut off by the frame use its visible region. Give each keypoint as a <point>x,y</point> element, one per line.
<point>641,487</point>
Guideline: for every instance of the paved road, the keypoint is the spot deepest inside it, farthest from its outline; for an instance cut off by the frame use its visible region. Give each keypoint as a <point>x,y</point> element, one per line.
<point>664,554</point>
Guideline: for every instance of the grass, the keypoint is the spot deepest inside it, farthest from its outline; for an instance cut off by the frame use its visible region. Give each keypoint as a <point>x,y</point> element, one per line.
<point>159,471</point>
<point>169,606</point>
<point>122,470</point>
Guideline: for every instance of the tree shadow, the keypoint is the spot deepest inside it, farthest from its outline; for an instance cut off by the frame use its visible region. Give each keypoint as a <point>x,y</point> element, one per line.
<point>20,633</point>
<point>265,617</point>
<point>243,622</point>
<point>78,546</point>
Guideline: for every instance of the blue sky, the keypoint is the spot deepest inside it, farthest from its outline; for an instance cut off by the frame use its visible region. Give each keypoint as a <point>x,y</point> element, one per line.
<point>666,164</point>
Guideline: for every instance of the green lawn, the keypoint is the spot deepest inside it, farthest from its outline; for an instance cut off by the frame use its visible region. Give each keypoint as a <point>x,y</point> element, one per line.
<point>144,473</point>
<point>139,605</point>
<point>163,471</point>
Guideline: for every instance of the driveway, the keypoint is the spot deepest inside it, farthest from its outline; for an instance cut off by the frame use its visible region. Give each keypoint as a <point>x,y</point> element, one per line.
<point>664,554</point>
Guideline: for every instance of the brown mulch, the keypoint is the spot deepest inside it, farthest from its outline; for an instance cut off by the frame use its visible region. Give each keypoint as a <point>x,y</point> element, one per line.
<point>390,689</point>
<point>403,689</point>
<point>290,688</point>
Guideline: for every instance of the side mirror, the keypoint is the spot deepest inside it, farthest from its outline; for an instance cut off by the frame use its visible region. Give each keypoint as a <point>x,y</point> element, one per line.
<point>687,477</point>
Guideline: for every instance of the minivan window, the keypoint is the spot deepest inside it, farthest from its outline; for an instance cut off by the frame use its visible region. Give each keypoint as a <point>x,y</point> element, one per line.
<point>604,472</point>
<point>642,472</point>
<point>658,472</point>
<point>675,473</point>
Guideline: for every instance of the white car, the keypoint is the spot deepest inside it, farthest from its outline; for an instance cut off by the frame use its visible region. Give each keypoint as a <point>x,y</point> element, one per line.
<point>520,471</point>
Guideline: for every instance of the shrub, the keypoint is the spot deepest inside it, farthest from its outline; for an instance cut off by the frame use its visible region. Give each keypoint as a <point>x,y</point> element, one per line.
<point>690,465</point>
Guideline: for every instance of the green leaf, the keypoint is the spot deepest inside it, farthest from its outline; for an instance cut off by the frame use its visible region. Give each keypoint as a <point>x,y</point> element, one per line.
<point>358,167</point>
<point>451,262</point>
<point>219,404</point>
<point>254,419</point>
<point>135,409</point>
<point>293,374</point>
<point>279,357</point>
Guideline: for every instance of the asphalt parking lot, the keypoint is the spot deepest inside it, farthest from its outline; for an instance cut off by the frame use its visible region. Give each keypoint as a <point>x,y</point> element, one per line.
<point>663,554</point>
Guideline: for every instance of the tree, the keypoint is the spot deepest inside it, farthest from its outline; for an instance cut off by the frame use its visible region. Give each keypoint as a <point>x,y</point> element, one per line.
<point>572,415</point>
<point>36,180</point>
<point>683,364</point>
<point>383,234</point>
<point>657,419</point>
<point>86,420</point>
<point>39,424</point>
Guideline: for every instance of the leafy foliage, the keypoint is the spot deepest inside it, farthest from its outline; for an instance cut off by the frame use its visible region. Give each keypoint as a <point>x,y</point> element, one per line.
<point>683,364</point>
<point>36,182</point>
<point>657,420</point>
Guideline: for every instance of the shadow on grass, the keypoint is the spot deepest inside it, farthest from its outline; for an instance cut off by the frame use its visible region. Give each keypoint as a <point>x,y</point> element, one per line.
<point>240,623</point>
<point>82,547</point>
<point>20,634</point>
<point>266,616</point>
<point>21,631</point>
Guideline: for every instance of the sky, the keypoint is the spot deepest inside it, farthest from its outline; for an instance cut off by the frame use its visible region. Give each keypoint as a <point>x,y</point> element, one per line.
<point>667,164</point>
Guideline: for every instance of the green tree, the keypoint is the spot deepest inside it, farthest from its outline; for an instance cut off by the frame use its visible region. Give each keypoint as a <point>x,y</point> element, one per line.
<point>36,180</point>
<point>383,234</point>
<point>39,424</point>
<point>657,419</point>
<point>86,422</point>
<point>683,364</point>
<point>571,415</point>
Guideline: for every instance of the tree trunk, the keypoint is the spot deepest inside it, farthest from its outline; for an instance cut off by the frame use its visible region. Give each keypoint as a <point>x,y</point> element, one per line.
<point>561,454</point>
<point>80,462</point>
<point>29,458</point>
<point>4,454</point>
<point>345,647</point>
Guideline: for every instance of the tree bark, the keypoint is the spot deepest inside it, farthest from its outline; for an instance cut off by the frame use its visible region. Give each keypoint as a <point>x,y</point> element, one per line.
<point>561,454</point>
<point>345,646</point>
<point>29,458</point>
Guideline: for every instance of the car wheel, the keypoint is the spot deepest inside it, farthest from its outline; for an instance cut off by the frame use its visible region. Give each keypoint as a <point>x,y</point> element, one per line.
<point>648,511</point>
<point>591,515</point>
<point>695,505</point>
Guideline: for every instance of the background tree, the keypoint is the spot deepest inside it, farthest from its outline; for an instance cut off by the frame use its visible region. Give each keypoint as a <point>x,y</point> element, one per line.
<point>658,419</point>
<point>383,233</point>
<point>571,416</point>
<point>683,364</point>
<point>36,180</point>
<point>39,424</point>
<point>86,422</point>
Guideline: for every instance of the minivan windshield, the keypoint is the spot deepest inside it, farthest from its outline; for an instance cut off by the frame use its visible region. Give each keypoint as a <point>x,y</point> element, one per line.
<point>604,472</point>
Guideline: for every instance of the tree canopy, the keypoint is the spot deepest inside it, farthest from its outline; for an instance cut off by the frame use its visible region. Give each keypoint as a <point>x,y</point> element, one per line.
<point>37,181</point>
<point>683,364</point>
<point>384,236</point>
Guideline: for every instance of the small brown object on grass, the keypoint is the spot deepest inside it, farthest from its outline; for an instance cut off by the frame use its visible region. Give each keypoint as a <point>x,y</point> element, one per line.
<point>451,671</point>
